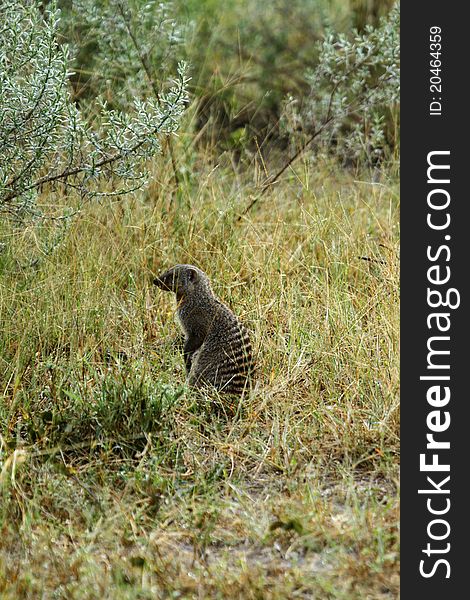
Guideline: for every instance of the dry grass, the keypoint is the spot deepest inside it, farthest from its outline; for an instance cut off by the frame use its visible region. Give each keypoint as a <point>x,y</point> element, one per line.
<point>118,482</point>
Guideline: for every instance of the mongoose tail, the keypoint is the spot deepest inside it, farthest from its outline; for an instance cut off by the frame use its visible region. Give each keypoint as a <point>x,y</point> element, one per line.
<point>217,348</point>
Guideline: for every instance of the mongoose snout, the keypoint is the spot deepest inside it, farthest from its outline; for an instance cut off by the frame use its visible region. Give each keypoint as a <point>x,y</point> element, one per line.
<point>179,280</point>
<point>217,348</point>
<point>158,281</point>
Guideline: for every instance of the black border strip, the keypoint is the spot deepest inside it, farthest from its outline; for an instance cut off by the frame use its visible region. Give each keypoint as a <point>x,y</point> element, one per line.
<point>431,199</point>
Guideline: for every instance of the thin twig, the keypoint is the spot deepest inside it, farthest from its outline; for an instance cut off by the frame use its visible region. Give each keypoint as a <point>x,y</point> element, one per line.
<point>274,178</point>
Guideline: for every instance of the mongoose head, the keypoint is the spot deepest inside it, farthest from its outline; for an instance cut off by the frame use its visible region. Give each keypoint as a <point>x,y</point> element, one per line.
<point>183,280</point>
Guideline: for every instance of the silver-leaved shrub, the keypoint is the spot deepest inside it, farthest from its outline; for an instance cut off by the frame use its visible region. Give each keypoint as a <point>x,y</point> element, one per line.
<point>44,137</point>
<point>354,93</point>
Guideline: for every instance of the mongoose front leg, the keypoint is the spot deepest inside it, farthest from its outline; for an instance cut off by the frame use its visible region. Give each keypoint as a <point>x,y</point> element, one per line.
<point>190,346</point>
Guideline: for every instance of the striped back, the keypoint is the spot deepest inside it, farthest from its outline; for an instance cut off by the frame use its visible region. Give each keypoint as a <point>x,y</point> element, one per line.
<point>225,358</point>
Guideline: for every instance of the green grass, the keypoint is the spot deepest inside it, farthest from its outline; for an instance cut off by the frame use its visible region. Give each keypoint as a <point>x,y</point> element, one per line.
<point>119,482</point>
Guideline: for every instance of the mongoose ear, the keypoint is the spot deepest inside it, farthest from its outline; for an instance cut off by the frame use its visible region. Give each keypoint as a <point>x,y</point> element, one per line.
<point>192,274</point>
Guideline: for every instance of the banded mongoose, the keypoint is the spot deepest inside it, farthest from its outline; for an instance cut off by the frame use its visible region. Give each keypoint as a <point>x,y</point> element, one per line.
<point>217,348</point>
